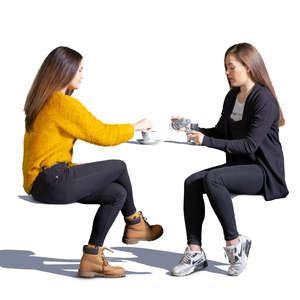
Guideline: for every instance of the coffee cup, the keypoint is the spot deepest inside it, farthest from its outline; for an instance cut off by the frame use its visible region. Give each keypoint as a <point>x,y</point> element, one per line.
<point>149,135</point>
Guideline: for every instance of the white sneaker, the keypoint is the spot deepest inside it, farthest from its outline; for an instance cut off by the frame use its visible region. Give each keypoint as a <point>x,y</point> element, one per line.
<point>191,261</point>
<point>238,255</point>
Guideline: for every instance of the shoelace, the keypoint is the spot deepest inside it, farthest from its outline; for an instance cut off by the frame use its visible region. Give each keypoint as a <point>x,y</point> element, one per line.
<point>186,258</point>
<point>145,219</point>
<point>231,257</point>
<point>105,262</point>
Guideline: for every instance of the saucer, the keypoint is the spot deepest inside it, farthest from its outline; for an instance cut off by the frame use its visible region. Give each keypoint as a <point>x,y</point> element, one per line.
<point>149,142</point>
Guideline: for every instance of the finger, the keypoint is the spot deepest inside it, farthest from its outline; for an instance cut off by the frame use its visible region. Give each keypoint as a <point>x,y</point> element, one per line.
<point>175,118</point>
<point>192,132</point>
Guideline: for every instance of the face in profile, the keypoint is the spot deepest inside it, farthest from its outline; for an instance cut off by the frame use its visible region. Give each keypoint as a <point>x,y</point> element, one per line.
<point>76,81</point>
<point>236,72</point>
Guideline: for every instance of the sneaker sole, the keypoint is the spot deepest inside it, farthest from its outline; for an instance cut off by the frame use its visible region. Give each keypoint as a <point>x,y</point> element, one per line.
<point>95,274</point>
<point>198,268</point>
<point>248,246</point>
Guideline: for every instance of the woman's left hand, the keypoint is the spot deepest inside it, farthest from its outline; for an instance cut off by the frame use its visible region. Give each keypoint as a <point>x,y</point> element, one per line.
<point>195,136</point>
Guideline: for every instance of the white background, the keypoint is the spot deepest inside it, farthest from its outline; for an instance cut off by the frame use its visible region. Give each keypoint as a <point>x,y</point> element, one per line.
<point>148,59</point>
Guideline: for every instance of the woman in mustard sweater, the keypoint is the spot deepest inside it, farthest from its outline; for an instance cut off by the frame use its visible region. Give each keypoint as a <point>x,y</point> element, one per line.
<point>54,120</point>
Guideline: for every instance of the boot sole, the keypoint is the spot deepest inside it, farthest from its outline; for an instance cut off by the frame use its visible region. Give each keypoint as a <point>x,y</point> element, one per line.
<point>135,241</point>
<point>131,241</point>
<point>95,274</point>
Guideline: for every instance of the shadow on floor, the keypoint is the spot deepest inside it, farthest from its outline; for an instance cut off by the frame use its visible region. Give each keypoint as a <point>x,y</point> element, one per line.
<point>162,259</point>
<point>27,260</point>
<point>24,259</point>
<point>29,198</point>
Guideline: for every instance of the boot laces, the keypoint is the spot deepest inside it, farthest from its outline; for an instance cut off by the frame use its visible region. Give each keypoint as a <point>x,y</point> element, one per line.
<point>105,262</point>
<point>145,219</point>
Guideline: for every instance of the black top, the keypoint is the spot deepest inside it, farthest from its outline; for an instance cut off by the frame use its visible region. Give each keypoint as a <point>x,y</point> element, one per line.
<point>254,139</point>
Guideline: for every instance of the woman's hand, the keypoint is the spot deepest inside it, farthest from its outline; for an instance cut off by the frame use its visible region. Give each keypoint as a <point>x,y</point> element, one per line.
<point>143,124</point>
<point>196,136</point>
<point>177,118</point>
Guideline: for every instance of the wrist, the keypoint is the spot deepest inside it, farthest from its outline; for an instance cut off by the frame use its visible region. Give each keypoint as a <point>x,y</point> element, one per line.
<point>136,127</point>
<point>204,140</point>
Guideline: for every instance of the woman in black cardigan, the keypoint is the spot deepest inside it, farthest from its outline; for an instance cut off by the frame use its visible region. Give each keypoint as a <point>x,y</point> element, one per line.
<point>248,132</point>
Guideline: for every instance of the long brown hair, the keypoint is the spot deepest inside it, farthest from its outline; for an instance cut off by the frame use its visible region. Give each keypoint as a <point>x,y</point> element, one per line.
<point>249,56</point>
<point>55,73</point>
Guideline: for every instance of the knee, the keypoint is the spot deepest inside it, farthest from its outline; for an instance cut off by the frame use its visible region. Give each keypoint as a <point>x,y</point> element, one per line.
<point>119,195</point>
<point>189,182</point>
<point>119,164</point>
<point>211,179</point>
<point>192,186</point>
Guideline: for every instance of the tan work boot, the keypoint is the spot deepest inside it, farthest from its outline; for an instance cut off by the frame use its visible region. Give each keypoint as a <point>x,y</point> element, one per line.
<point>141,231</point>
<point>93,263</point>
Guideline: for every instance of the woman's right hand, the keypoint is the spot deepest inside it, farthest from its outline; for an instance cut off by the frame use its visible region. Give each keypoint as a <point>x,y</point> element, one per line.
<point>143,124</point>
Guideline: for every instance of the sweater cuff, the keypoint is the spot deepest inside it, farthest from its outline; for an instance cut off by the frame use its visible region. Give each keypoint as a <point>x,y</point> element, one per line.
<point>206,141</point>
<point>128,132</point>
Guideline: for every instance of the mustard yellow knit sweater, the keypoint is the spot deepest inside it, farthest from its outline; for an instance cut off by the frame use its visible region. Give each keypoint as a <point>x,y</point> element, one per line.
<point>61,121</point>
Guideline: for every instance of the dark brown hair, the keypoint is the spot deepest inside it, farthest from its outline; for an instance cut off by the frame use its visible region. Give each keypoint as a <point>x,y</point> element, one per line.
<point>55,73</point>
<point>249,56</point>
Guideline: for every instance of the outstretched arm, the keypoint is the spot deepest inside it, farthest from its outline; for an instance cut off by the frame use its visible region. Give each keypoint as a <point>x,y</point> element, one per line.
<point>81,124</point>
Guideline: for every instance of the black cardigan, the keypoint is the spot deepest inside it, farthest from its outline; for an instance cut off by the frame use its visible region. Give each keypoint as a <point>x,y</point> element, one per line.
<point>259,140</point>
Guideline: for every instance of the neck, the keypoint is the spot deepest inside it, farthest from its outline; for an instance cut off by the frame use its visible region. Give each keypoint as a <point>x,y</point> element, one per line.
<point>246,88</point>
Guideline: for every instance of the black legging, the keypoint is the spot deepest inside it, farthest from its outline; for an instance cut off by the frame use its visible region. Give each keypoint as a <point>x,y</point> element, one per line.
<point>218,183</point>
<point>105,182</point>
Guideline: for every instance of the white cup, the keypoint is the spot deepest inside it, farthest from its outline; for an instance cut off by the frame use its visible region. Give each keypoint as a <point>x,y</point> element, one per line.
<point>149,135</point>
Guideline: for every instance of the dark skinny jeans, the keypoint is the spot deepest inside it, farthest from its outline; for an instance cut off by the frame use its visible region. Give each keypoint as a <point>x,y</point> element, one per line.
<point>105,182</point>
<point>218,183</point>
